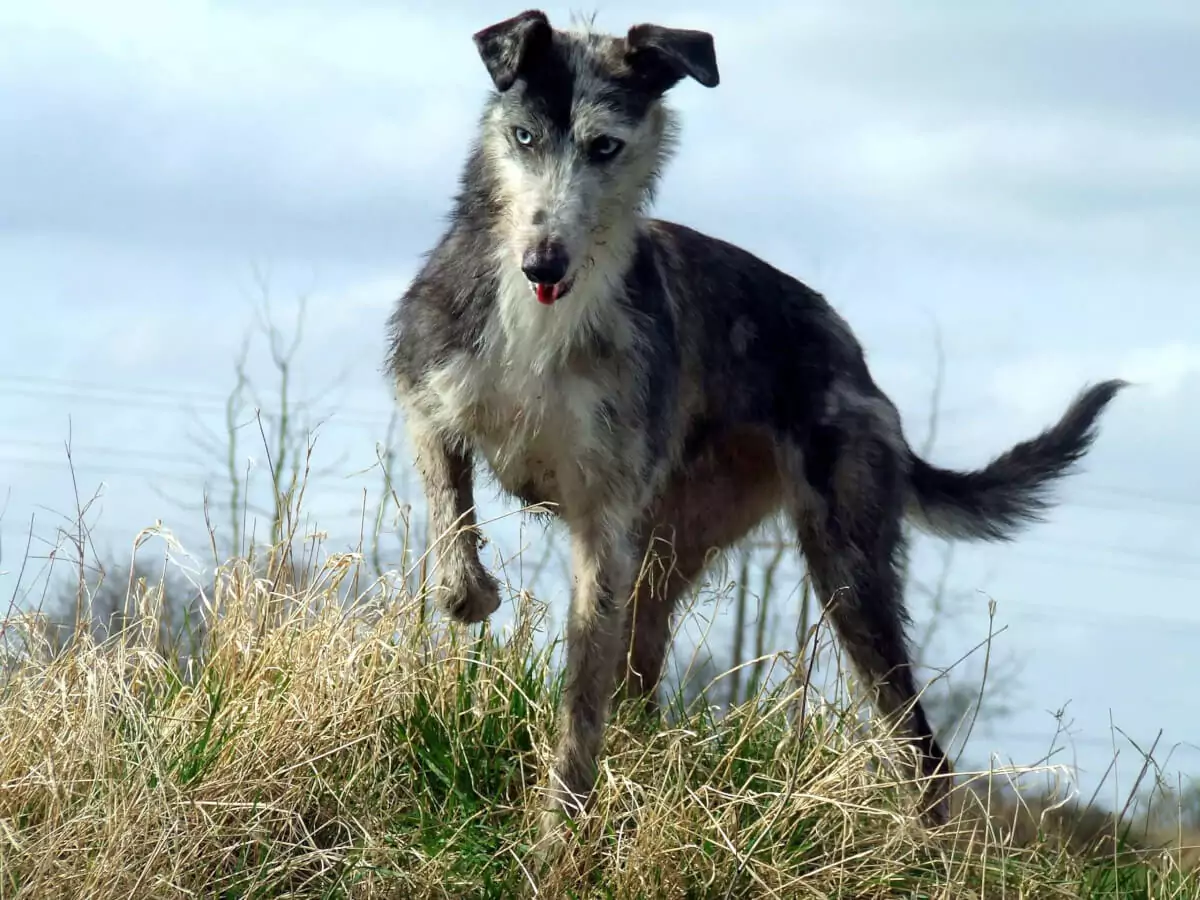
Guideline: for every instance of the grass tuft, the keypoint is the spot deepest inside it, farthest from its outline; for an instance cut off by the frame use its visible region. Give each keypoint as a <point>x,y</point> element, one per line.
<point>314,748</point>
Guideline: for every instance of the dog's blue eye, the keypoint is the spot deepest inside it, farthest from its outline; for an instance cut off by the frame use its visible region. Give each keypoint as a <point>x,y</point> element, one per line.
<point>605,147</point>
<point>524,136</point>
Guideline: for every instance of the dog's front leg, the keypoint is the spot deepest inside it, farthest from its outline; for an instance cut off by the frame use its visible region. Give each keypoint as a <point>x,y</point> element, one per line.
<point>463,587</point>
<point>602,565</point>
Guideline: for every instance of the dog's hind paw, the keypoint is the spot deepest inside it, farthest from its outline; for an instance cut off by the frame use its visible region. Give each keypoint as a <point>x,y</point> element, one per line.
<point>471,596</point>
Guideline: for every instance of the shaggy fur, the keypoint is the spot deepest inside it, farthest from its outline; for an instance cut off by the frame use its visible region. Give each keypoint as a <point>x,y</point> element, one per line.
<point>663,390</point>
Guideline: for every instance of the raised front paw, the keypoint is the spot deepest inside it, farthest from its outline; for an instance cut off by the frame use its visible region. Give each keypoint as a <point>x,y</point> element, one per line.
<point>469,596</point>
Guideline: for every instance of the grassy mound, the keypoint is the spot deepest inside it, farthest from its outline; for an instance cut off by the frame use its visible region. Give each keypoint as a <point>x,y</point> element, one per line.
<point>314,748</point>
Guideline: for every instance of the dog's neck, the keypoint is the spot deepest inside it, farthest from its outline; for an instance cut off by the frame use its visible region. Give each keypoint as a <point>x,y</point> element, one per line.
<point>543,338</point>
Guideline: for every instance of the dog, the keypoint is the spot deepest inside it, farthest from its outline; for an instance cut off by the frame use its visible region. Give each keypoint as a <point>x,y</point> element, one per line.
<point>663,391</point>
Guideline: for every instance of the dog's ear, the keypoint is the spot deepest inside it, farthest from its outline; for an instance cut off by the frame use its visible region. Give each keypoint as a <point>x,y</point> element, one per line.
<point>507,46</point>
<point>664,56</point>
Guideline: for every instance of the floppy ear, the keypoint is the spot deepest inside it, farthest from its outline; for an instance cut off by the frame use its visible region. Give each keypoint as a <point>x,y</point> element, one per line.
<point>506,47</point>
<point>663,56</point>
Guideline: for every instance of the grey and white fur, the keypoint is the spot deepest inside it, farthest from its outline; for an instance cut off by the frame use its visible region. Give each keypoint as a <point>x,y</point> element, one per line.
<point>663,390</point>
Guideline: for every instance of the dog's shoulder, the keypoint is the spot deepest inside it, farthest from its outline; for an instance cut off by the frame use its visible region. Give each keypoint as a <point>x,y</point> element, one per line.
<point>748,316</point>
<point>445,307</point>
<point>720,262</point>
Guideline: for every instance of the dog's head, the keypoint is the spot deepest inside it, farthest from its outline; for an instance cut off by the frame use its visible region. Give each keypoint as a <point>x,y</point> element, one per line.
<point>576,136</point>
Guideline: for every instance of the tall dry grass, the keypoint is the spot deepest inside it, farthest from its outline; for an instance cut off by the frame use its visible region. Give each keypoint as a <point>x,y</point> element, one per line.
<point>332,740</point>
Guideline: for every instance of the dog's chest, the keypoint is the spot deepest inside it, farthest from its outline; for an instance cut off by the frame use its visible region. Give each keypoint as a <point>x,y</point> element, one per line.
<point>540,432</point>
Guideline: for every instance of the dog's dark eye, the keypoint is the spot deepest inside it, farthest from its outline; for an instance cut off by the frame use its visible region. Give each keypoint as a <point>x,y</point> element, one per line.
<point>524,136</point>
<point>604,147</point>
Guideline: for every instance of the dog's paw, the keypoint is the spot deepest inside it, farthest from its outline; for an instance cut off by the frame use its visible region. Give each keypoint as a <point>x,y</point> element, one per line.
<point>471,596</point>
<point>553,837</point>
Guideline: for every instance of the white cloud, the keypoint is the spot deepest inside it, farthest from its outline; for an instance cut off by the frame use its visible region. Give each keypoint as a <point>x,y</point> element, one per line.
<point>1164,370</point>
<point>260,126</point>
<point>1035,385</point>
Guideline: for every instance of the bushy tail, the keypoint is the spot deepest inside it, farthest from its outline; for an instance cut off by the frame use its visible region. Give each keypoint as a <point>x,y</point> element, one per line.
<point>994,502</point>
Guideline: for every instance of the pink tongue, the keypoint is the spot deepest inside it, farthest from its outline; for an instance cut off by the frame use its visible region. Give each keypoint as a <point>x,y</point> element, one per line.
<point>547,293</point>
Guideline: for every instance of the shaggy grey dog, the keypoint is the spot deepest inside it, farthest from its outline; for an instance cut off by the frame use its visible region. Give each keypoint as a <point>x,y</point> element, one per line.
<point>663,390</point>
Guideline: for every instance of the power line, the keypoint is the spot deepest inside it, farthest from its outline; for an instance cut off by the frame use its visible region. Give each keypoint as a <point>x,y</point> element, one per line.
<point>1118,491</point>
<point>106,469</point>
<point>196,476</point>
<point>1062,742</point>
<point>38,387</point>
<point>1178,559</point>
<point>80,451</point>
<point>143,390</point>
<point>1179,515</point>
<point>1106,564</point>
<point>202,396</point>
<point>1059,613</point>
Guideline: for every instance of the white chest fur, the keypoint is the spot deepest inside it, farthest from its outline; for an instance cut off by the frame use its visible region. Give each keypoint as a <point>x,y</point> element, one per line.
<point>537,420</point>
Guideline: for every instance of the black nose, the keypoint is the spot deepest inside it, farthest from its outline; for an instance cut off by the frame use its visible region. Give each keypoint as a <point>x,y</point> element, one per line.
<point>546,263</point>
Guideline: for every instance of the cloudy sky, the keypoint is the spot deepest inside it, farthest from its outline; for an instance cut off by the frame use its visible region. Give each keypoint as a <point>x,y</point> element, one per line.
<point>1023,179</point>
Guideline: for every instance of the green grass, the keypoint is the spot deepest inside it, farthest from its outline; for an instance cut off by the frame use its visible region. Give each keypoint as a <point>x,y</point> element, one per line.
<point>363,753</point>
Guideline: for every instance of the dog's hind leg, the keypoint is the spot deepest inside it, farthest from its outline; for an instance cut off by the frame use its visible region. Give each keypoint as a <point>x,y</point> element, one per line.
<point>728,488</point>
<point>847,500</point>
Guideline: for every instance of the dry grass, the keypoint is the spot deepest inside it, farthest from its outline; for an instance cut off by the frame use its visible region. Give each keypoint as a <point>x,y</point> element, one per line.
<point>323,749</point>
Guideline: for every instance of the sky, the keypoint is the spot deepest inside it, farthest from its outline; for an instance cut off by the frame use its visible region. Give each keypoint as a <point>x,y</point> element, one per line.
<point>1016,180</point>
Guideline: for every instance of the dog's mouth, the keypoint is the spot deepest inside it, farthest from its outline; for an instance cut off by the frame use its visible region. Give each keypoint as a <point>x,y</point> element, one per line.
<point>548,294</point>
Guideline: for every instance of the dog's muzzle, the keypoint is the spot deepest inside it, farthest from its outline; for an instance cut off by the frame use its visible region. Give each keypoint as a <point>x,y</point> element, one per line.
<point>545,265</point>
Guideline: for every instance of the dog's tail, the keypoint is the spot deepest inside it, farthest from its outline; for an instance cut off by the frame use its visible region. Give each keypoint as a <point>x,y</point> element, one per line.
<point>994,502</point>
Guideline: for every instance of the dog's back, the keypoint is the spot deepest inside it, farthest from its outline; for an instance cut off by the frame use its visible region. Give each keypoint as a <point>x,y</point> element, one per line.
<point>765,347</point>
